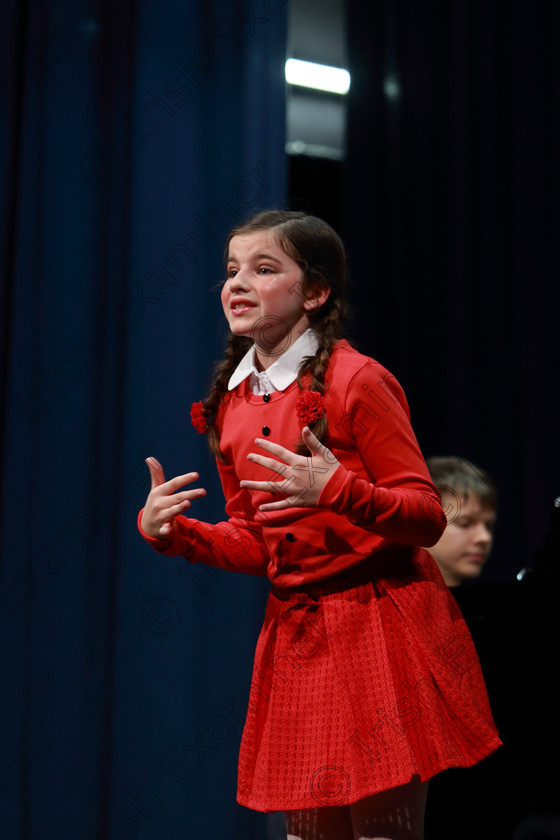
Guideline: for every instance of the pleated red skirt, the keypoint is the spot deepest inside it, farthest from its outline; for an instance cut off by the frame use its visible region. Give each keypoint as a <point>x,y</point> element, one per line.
<point>361,682</point>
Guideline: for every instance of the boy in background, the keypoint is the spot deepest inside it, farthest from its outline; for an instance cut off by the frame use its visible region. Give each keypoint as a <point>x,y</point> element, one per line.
<point>469,500</point>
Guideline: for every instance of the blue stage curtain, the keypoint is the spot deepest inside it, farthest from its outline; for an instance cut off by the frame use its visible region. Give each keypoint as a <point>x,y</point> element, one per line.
<point>134,135</point>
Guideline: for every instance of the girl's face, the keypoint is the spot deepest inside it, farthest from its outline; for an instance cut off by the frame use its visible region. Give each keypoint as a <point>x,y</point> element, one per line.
<point>263,296</point>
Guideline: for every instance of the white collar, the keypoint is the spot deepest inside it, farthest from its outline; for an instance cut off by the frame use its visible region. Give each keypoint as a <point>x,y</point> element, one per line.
<point>284,370</point>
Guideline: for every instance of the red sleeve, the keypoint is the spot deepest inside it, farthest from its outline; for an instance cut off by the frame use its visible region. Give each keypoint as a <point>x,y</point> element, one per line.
<point>236,545</point>
<point>398,500</point>
<point>228,545</point>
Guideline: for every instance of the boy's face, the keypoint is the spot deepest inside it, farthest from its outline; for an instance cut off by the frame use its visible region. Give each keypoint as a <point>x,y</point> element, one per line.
<point>465,544</point>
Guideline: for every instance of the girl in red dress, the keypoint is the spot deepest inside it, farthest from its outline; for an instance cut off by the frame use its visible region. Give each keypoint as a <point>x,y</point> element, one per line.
<point>365,683</point>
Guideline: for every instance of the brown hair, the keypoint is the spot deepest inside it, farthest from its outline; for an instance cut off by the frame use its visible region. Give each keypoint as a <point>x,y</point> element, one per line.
<point>457,475</point>
<point>319,252</point>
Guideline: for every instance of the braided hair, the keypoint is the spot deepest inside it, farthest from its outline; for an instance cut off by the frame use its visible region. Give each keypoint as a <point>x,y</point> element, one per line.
<point>319,252</point>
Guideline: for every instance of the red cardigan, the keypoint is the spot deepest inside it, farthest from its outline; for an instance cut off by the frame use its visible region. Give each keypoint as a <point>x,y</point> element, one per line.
<point>379,498</point>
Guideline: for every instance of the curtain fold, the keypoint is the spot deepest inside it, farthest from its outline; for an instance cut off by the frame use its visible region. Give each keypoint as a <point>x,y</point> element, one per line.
<point>134,135</point>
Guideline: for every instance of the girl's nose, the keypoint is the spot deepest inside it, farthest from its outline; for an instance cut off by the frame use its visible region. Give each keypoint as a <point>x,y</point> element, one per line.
<point>239,281</point>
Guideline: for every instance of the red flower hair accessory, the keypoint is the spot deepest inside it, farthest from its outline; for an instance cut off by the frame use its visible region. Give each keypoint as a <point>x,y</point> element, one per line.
<point>310,407</point>
<point>198,418</point>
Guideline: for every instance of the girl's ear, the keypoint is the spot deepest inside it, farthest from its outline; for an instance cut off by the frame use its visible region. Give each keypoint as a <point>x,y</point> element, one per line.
<point>316,297</point>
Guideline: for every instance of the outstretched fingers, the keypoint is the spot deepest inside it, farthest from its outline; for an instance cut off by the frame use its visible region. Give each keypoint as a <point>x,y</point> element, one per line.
<point>158,478</point>
<point>156,471</point>
<point>165,502</point>
<point>275,449</point>
<point>300,478</point>
<point>277,467</point>
<point>316,447</point>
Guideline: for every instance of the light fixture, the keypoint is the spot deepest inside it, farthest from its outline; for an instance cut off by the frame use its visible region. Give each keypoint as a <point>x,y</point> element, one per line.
<point>317,76</point>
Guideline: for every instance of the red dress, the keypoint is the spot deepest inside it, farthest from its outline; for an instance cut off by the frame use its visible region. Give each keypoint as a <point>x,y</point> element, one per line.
<point>365,673</point>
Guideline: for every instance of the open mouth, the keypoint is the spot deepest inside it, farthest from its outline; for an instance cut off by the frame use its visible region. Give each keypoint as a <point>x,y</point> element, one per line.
<point>241,306</point>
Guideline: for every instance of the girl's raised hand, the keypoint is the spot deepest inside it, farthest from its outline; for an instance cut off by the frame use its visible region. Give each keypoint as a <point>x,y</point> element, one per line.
<point>164,503</point>
<point>300,478</point>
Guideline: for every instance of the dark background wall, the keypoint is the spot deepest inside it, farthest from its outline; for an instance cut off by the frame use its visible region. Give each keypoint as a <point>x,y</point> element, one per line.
<point>448,203</point>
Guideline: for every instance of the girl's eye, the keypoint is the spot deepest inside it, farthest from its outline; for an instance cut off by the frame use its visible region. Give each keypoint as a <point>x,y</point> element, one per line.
<point>231,272</point>
<point>264,269</point>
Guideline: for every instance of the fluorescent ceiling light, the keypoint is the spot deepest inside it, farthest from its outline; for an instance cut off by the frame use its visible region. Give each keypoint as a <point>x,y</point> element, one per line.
<point>317,76</point>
